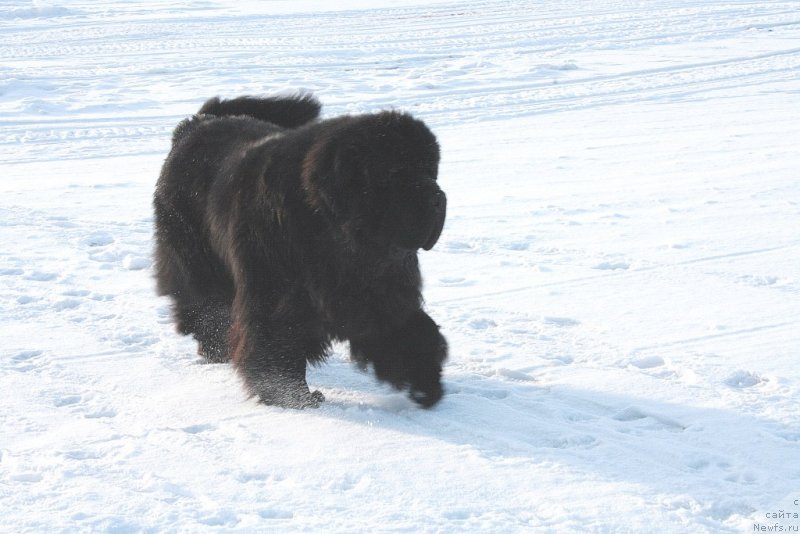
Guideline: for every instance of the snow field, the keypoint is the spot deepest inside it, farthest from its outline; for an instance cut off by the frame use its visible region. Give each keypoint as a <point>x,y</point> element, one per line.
<point>618,277</point>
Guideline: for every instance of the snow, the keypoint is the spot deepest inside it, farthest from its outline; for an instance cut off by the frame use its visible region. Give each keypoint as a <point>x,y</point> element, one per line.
<point>618,277</point>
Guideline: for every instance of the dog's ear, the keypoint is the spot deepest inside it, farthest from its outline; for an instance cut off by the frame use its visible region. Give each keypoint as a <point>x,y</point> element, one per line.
<point>345,164</point>
<point>345,183</point>
<point>333,179</point>
<point>317,180</point>
<point>350,174</point>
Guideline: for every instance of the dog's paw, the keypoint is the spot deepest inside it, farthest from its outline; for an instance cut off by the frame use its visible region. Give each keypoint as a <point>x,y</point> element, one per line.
<point>316,398</point>
<point>296,400</point>
<point>212,353</point>
<point>307,400</point>
<point>428,397</point>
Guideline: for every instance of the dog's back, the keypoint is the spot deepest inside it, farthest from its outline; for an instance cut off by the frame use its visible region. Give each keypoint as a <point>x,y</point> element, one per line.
<point>283,111</point>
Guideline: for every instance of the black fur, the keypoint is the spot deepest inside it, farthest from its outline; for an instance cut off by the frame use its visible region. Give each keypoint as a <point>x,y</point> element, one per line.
<point>276,234</point>
<point>287,112</point>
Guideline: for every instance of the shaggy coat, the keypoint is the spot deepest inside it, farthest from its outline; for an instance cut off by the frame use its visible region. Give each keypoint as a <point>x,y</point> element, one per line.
<point>277,233</point>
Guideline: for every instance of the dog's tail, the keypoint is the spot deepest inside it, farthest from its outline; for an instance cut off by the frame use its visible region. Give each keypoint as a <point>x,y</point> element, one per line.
<point>284,111</point>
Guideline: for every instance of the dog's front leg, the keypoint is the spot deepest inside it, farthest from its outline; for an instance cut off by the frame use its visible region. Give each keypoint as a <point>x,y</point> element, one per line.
<point>408,357</point>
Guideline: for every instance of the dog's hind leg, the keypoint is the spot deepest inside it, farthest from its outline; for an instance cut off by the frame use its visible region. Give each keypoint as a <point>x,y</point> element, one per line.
<point>206,317</point>
<point>197,284</point>
<point>208,321</point>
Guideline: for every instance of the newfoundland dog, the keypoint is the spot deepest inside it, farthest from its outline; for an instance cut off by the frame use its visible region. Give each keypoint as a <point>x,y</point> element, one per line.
<point>277,233</point>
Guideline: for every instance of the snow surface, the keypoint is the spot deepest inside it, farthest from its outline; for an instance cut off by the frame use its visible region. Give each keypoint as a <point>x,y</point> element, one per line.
<point>618,277</point>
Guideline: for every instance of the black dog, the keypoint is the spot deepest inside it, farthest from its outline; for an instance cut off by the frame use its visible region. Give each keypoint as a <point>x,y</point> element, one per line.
<point>277,233</point>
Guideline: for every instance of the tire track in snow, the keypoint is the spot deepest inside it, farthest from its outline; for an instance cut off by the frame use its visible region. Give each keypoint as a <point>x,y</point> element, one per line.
<point>617,273</point>
<point>736,333</point>
<point>366,53</point>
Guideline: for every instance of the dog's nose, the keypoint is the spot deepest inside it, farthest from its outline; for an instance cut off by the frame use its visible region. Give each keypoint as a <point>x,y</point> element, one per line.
<point>438,200</point>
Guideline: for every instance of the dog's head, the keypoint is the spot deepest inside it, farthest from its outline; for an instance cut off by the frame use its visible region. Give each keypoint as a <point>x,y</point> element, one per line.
<point>374,177</point>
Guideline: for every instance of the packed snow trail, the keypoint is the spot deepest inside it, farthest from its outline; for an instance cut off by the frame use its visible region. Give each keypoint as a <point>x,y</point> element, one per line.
<point>618,277</point>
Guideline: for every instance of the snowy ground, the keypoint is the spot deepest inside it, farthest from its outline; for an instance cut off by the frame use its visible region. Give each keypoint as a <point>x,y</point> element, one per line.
<point>618,279</point>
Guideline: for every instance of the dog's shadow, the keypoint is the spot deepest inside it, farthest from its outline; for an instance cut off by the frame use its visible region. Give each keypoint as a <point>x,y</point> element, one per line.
<point>615,436</point>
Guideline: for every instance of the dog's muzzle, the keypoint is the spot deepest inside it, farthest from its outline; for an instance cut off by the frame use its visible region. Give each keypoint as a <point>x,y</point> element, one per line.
<point>439,205</point>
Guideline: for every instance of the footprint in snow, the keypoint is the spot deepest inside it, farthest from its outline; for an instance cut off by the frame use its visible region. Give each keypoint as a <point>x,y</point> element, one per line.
<point>41,276</point>
<point>27,360</point>
<point>651,420</point>
<point>87,405</point>
<point>26,477</point>
<point>455,281</point>
<point>648,362</point>
<point>26,355</point>
<point>219,519</point>
<point>136,339</point>
<point>66,304</point>
<point>485,393</point>
<point>517,245</point>
<point>743,379</point>
<point>197,429</point>
<point>254,476</point>
<point>273,513</point>
<point>458,246</point>
<point>97,239</point>
<point>67,400</point>
<point>561,321</point>
<point>81,455</point>
<point>481,324</point>
<point>64,223</point>
<point>101,412</point>
<point>612,266</point>
<point>133,262</point>
<point>699,463</point>
<point>514,375</point>
<point>757,281</point>
<point>76,293</point>
<point>559,359</point>
<point>584,441</point>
